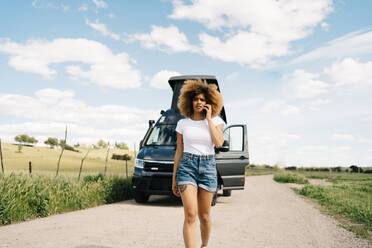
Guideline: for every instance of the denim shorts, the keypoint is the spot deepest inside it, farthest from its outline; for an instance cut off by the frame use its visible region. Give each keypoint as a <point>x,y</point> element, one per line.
<point>197,170</point>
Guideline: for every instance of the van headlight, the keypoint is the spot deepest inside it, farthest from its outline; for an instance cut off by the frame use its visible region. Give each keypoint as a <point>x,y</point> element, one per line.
<point>138,163</point>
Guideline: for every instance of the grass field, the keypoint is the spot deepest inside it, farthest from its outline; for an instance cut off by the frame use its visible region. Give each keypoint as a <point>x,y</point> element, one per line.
<point>44,161</point>
<point>23,197</point>
<point>348,199</point>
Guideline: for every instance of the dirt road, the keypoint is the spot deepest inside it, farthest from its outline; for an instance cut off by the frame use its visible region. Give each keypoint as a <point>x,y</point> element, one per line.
<point>266,214</point>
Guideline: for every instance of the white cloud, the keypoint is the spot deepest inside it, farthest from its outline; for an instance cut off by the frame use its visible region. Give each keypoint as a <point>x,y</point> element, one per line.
<point>65,7</point>
<point>168,39</point>
<point>243,48</point>
<point>344,137</point>
<point>353,44</point>
<point>350,137</point>
<point>100,3</point>
<point>52,109</point>
<point>100,27</point>
<point>105,68</point>
<point>264,29</point>
<point>160,79</point>
<point>316,105</point>
<point>324,26</point>
<point>49,5</point>
<point>83,7</point>
<point>53,105</point>
<point>305,85</point>
<point>350,72</point>
<point>75,132</point>
<point>281,107</point>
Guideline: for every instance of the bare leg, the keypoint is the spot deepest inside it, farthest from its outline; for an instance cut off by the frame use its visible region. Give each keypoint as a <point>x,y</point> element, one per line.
<point>190,206</point>
<point>204,207</point>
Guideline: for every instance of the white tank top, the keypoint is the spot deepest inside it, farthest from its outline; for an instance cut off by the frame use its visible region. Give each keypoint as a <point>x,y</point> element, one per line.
<point>196,135</point>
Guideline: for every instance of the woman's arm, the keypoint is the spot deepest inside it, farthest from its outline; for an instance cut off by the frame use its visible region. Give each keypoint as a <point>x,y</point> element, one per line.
<point>177,158</point>
<point>216,131</point>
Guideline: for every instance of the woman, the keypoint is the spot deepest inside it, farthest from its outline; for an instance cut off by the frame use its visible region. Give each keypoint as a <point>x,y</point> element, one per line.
<point>194,174</point>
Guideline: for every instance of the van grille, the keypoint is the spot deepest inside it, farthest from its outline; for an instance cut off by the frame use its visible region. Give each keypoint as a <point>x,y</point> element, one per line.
<point>158,166</point>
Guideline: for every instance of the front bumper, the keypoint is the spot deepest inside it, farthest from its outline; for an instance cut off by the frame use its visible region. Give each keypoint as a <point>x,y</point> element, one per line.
<point>153,184</point>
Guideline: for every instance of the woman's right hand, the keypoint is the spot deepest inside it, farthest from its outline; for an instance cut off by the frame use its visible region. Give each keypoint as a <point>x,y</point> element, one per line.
<point>174,188</point>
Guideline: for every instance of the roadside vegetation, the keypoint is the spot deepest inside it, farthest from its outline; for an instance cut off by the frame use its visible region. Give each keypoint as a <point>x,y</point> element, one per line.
<point>289,177</point>
<point>258,170</point>
<point>23,197</point>
<point>26,194</point>
<point>348,198</point>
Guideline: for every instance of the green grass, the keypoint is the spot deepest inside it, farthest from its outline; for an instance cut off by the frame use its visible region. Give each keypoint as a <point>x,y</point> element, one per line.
<point>44,161</point>
<point>289,177</point>
<point>23,197</point>
<point>349,199</point>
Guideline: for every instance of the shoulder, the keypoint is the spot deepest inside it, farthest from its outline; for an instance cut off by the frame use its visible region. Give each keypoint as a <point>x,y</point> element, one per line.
<point>182,122</point>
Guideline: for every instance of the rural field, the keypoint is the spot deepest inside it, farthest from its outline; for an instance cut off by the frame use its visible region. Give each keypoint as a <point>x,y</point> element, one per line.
<point>25,197</point>
<point>44,161</point>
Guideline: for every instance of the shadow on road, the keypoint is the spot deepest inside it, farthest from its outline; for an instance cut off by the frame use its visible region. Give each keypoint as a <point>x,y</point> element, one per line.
<point>157,200</point>
<point>164,201</point>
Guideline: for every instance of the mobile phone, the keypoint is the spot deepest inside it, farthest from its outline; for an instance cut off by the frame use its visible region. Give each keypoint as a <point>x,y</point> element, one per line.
<point>204,111</point>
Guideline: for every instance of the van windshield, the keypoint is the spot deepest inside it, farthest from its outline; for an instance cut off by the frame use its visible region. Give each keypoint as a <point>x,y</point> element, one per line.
<point>162,135</point>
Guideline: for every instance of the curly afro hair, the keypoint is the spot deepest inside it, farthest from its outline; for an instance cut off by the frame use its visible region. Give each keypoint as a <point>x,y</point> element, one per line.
<point>191,88</point>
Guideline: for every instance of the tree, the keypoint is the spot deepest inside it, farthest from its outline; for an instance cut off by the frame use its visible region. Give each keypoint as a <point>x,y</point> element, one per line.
<point>24,138</point>
<point>102,144</point>
<point>77,145</point>
<point>62,143</point>
<point>52,142</point>
<point>121,145</point>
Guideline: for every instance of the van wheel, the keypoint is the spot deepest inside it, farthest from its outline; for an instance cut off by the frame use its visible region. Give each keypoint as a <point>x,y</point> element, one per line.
<point>141,197</point>
<point>214,199</point>
<point>227,192</point>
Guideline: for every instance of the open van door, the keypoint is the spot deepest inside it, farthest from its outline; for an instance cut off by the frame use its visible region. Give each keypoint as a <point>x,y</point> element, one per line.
<point>231,164</point>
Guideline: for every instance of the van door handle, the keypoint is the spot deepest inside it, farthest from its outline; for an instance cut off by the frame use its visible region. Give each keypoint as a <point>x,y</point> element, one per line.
<point>243,157</point>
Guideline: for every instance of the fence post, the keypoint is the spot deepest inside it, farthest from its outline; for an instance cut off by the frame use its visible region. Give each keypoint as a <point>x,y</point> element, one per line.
<point>30,168</point>
<point>63,148</point>
<point>81,165</point>
<point>1,157</point>
<point>126,167</point>
<point>135,155</point>
<point>108,149</point>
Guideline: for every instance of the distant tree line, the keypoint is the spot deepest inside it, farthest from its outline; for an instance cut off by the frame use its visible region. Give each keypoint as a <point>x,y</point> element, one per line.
<point>26,140</point>
<point>352,169</point>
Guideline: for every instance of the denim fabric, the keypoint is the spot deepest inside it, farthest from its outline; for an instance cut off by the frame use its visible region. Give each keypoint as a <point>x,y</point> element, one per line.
<point>197,170</point>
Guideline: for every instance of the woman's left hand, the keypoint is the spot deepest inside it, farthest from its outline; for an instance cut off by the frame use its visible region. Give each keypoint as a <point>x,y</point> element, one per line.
<point>208,110</point>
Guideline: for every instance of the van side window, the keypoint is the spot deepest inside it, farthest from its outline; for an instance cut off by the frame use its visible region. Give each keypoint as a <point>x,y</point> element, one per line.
<point>234,135</point>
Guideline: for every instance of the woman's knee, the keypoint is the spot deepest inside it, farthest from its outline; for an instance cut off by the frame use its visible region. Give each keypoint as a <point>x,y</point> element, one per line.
<point>204,218</point>
<point>190,216</point>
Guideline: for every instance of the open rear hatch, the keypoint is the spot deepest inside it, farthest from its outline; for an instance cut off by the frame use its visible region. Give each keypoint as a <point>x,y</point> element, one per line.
<point>176,85</point>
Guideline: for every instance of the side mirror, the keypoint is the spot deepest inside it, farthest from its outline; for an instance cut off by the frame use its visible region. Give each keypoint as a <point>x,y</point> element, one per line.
<point>141,143</point>
<point>225,146</point>
<point>151,122</point>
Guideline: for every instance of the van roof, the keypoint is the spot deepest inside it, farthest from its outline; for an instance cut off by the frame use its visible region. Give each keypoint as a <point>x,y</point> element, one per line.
<point>176,85</point>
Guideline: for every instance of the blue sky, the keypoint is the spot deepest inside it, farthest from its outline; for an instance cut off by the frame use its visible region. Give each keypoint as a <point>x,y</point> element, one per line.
<point>297,73</point>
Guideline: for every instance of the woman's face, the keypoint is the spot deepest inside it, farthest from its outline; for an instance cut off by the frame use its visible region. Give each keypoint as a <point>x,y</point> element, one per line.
<point>198,103</point>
